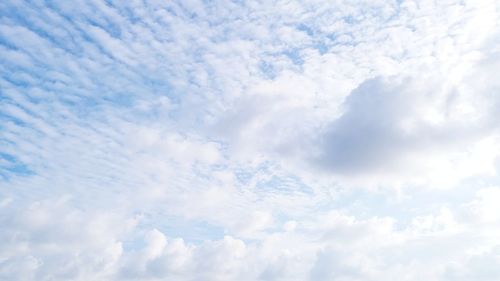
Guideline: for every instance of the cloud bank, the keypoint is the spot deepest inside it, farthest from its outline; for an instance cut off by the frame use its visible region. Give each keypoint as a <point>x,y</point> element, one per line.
<point>288,140</point>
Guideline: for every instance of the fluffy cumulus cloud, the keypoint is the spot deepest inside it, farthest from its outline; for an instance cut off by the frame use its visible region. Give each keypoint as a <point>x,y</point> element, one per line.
<point>233,140</point>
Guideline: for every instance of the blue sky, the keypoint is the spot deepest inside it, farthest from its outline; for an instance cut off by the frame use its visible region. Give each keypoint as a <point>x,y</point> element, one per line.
<point>233,140</point>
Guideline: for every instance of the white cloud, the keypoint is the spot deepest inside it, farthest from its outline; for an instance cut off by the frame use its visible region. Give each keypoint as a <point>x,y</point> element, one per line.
<point>410,127</point>
<point>249,141</point>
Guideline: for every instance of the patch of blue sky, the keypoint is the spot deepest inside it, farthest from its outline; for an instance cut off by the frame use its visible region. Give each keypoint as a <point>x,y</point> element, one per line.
<point>295,56</point>
<point>332,36</point>
<point>110,27</point>
<point>321,46</point>
<point>321,41</point>
<point>10,166</point>
<point>267,69</point>
<point>18,77</point>
<point>128,12</point>
<point>335,39</point>
<point>66,43</point>
<point>396,14</point>
<point>15,81</point>
<point>4,118</point>
<point>118,99</point>
<point>306,29</point>
<point>5,42</point>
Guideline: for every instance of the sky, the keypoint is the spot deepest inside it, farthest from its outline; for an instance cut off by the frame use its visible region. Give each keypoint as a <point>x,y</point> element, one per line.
<point>343,140</point>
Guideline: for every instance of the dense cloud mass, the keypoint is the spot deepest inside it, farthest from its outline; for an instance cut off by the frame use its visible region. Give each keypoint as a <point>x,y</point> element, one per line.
<point>233,140</point>
<point>390,124</point>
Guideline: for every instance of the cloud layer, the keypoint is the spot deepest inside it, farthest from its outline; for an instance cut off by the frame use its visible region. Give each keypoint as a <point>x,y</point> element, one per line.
<point>288,140</point>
